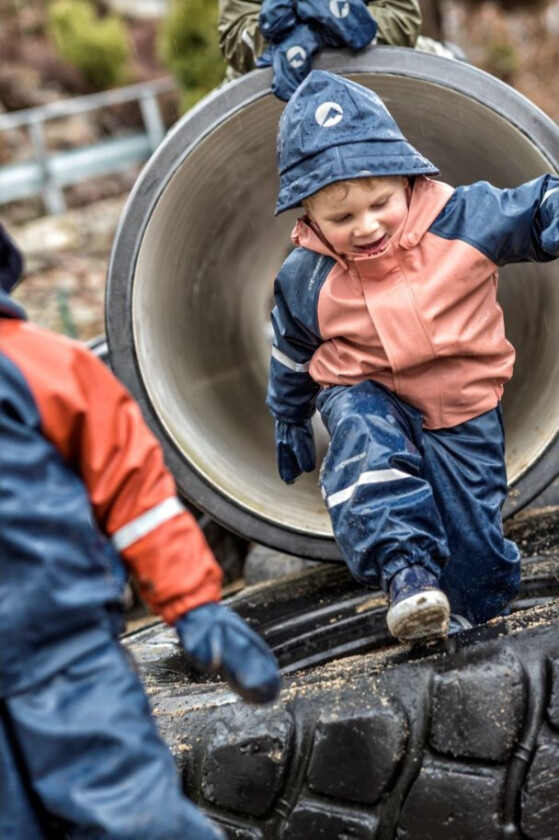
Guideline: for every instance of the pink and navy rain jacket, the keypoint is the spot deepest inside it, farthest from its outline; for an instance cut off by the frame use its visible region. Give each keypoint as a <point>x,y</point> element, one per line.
<point>422,317</point>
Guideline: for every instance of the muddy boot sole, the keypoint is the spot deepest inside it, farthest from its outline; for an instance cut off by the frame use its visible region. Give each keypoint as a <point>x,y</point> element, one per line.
<point>421,616</point>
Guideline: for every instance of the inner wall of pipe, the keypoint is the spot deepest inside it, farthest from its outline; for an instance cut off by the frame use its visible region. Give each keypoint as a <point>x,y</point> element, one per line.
<point>203,292</point>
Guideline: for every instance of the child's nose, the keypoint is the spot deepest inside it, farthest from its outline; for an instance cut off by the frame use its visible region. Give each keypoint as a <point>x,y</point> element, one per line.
<point>368,224</point>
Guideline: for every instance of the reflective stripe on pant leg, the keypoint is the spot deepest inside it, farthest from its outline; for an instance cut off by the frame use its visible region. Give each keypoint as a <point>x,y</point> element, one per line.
<point>95,757</point>
<point>466,468</point>
<point>382,510</point>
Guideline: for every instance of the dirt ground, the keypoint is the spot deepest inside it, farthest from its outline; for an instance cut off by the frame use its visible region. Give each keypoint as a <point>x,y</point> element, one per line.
<point>66,264</point>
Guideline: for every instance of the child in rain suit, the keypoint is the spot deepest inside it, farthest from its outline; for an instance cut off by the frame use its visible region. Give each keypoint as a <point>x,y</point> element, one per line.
<point>386,321</point>
<point>83,487</point>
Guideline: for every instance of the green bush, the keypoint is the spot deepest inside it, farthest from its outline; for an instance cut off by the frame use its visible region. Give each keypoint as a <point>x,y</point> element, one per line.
<point>189,47</point>
<point>98,47</point>
<point>501,60</point>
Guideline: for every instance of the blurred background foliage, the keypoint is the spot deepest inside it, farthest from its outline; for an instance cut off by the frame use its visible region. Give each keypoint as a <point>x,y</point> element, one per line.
<point>95,40</point>
<point>97,46</point>
<point>188,46</point>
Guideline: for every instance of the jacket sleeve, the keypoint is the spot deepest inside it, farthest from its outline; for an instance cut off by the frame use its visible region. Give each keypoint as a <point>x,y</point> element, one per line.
<point>291,389</point>
<point>241,43</point>
<point>508,226</point>
<point>399,21</point>
<point>240,40</point>
<point>99,431</point>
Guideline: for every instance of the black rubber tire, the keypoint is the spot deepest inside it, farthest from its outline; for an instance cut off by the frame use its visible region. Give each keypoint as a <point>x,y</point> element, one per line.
<point>457,739</point>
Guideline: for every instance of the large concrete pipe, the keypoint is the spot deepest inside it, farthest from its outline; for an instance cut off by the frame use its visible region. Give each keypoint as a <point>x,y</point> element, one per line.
<point>191,273</point>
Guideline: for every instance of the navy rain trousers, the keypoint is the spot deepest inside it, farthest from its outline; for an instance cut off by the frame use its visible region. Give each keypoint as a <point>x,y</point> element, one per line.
<point>83,747</point>
<point>399,494</point>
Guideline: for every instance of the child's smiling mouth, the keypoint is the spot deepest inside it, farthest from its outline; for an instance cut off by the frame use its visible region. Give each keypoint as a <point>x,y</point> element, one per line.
<point>372,248</point>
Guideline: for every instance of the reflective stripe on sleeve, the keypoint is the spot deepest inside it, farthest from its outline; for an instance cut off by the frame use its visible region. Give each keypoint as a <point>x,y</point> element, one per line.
<point>147,522</point>
<point>548,193</point>
<point>285,360</point>
<point>371,477</point>
<point>247,38</point>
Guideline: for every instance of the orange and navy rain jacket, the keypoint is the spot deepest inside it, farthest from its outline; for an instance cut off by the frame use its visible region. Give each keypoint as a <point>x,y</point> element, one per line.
<point>83,487</point>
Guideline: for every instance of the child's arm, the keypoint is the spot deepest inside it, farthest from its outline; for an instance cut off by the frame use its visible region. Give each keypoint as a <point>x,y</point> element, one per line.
<point>291,389</point>
<point>512,225</point>
<point>240,39</point>
<point>399,21</point>
<point>98,429</point>
<point>75,405</point>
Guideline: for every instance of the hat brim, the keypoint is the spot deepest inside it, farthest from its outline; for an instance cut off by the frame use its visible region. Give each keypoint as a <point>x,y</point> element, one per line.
<point>345,162</point>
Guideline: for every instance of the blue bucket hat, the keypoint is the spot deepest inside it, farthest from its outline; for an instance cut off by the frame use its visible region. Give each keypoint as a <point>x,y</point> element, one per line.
<point>332,130</point>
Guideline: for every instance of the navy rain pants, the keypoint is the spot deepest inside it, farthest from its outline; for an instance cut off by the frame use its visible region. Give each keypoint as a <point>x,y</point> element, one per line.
<point>399,494</point>
<point>84,748</point>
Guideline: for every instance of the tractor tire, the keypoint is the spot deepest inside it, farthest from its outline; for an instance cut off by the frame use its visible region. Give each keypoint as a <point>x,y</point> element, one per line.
<point>454,739</point>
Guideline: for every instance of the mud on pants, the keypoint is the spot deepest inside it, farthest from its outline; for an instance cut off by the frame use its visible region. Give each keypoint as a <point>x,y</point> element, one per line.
<point>399,494</point>
<point>82,750</point>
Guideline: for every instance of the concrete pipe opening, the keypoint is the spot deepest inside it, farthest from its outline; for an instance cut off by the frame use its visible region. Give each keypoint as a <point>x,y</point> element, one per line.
<point>191,273</point>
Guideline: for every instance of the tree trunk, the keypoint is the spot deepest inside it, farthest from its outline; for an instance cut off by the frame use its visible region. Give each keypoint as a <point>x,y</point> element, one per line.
<point>432,19</point>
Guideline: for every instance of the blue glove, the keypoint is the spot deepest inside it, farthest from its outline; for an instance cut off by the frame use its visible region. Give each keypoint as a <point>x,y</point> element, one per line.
<point>291,59</point>
<point>277,19</point>
<point>341,23</point>
<point>294,449</point>
<point>217,639</point>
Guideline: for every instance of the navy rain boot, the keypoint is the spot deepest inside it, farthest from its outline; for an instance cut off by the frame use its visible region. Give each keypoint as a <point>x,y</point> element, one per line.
<point>419,609</point>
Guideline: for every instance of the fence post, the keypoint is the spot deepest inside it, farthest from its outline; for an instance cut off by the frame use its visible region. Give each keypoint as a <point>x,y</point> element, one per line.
<point>153,121</point>
<point>53,196</point>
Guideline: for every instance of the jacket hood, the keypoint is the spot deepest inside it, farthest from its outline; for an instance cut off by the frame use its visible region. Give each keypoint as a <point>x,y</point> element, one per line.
<point>427,199</point>
<point>332,130</point>
<point>11,262</point>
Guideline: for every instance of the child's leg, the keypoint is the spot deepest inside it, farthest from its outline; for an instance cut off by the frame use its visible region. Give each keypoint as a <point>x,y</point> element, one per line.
<point>95,758</point>
<point>383,512</point>
<point>465,466</point>
<point>19,812</point>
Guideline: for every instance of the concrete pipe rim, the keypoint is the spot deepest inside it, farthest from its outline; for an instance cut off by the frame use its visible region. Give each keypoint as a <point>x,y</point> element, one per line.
<point>185,137</point>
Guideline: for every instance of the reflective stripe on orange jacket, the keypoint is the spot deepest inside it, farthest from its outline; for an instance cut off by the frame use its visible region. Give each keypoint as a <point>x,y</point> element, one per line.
<point>83,486</point>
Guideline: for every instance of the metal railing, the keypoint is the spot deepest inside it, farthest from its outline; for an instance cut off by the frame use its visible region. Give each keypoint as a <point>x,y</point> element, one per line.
<point>48,172</point>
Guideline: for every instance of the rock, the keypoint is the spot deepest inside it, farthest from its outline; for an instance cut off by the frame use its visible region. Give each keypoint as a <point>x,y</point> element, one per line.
<point>264,563</point>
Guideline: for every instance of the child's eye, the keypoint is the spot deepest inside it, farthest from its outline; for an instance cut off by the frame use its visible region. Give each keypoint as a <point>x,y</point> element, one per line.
<point>341,219</point>
<point>379,204</point>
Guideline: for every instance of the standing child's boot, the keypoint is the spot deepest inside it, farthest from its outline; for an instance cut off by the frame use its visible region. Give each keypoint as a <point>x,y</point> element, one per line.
<point>419,609</point>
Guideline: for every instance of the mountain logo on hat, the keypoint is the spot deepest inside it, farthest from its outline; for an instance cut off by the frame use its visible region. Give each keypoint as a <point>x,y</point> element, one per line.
<point>328,114</point>
<point>339,8</point>
<point>296,56</point>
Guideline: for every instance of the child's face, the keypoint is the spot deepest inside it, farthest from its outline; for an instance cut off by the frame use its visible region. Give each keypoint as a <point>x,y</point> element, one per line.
<point>360,216</point>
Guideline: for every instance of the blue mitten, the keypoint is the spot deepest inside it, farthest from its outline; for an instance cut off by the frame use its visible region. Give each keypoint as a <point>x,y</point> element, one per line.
<point>341,23</point>
<point>277,18</point>
<point>295,450</point>
<point>216,639</point>
<point>291,59</point>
